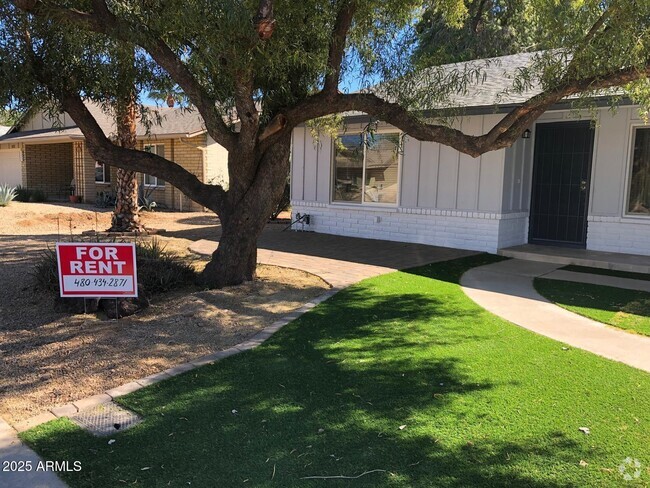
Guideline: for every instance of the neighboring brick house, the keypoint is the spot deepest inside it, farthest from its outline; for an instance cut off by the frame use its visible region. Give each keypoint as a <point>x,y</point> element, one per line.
<point>51,156</point>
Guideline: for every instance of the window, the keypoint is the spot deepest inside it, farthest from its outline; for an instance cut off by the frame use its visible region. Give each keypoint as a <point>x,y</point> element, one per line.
<point>639,194</point>
<point>366,168</point>
<point>150,180</point>
<point>102,173</point>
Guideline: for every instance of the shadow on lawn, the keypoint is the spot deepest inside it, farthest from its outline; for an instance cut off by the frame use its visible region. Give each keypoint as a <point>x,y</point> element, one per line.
<point>327,397</point>
<point>599,297</point>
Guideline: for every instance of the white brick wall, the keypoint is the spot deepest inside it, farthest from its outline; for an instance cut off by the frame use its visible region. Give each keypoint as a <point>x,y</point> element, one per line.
<point>615,234</point>
<point>513,230</point>
<point>476,231</point>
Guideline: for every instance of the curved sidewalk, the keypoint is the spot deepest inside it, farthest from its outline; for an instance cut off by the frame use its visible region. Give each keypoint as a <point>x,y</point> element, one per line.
<point>506,289</point>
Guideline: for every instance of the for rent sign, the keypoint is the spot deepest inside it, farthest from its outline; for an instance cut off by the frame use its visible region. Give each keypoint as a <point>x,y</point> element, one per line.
<point>97,270</point>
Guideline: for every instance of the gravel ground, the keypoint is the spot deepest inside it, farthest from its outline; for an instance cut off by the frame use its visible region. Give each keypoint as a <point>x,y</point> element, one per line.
<point>49,359</point>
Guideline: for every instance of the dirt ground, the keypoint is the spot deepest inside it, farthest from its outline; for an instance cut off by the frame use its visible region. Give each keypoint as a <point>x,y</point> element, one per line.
<point>49,359</point>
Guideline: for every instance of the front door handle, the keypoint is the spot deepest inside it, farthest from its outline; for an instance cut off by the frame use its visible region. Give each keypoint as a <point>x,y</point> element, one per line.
<point>583,185</point>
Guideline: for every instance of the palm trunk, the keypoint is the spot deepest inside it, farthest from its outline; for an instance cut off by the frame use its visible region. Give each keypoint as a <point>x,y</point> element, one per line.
<point>126,214</point>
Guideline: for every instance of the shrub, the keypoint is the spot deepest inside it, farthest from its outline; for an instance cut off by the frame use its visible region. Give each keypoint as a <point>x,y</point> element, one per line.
<point>45,272</point>
<point>22,194</point>
<point>159,270</point>
<point>37,196</point>
<point>7,194</point>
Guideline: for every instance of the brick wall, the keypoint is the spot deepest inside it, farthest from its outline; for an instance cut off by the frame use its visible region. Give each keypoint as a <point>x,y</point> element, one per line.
<point>477,231</point>
<point>513,229</point>
<point>616,234</point>
<point>49,167</point>
<point>186,154</point>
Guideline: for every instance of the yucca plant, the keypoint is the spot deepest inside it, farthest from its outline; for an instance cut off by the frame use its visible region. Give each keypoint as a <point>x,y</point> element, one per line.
<point>7,194</point>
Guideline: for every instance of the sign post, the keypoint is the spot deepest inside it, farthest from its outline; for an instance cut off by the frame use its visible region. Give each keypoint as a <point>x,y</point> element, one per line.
<point>97,270</point>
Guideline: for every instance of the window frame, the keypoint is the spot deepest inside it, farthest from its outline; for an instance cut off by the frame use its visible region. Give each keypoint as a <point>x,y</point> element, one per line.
<point>105,168</point>
<point>634,128</point>
<point>363,202</point>
<point>155,178</point>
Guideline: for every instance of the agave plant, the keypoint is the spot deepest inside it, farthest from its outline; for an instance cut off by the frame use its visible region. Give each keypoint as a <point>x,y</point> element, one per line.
<point>7,194</point>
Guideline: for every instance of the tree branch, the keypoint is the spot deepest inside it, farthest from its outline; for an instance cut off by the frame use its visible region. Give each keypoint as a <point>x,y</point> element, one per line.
<point>478,16</point>
<point>102,21</point>
<point>593,32</point>
<point>264,21</point>
<point>503,134</point>
<point>337,46</point>
<point>102,149</point>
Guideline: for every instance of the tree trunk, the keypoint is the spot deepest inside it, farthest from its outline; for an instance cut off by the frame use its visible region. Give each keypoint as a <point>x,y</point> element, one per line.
<point>126,215</point>
<point>245,216</point>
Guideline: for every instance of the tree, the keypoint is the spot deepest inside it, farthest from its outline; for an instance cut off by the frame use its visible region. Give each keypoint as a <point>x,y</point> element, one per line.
<point>482,29</point>
<point>7,118</point>
<point>256,70</point>
<point>125,216</point>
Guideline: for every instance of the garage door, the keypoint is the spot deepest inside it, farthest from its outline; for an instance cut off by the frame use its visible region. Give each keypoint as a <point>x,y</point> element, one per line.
<point>10,172</point>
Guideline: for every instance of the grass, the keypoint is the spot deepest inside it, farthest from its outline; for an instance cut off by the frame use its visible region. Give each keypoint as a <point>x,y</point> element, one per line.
<point>401,373</point>
<point>607,272</point>
<point>618,307</point>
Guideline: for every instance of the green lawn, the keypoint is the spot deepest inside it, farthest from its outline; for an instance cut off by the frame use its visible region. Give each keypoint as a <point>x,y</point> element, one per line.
<point>400,373</point>
<point>625,309</point>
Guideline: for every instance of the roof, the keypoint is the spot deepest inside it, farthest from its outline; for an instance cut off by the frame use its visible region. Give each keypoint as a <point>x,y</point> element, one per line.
<point>4,129</point>
<point>495,90</point>
<point>165,122</point>
<point>496,84</point>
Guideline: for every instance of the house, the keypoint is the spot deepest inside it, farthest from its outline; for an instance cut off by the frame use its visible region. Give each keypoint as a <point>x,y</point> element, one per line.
<point>49,154</point>
<point>566,182</point>
<point>9,163</point>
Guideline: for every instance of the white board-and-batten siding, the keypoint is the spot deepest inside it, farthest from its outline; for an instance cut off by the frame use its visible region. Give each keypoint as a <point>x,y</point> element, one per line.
<point>450,199</point>
<point>445,197</point>
<point>609,226</point>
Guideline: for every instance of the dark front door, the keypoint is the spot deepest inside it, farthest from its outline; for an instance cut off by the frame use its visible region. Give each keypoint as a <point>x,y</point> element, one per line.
<point>560,192</point>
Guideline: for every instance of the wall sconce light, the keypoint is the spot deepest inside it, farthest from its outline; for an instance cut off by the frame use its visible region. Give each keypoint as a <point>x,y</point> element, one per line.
<point>526,134</point>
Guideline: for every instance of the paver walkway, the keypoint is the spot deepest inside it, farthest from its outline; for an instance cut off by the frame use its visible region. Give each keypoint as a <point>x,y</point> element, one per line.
<point>506,289</point>
<point>341,261</point>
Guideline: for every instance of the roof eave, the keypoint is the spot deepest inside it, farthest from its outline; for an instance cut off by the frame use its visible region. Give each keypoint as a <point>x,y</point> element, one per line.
<point>171,135</point>
<point>40,139</point>
<point>603,101</point>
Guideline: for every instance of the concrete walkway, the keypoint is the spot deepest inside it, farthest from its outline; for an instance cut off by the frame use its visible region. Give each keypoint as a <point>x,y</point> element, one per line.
<point>506,289</point>
<point>581,257</point>
<point>597,279</point>
<point>12,450</point>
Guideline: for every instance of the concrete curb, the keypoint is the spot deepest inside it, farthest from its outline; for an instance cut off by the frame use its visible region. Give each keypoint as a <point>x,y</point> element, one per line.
<point>109,395</point>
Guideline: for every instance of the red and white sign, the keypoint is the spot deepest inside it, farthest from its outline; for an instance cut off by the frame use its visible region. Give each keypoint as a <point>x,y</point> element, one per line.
<point>97,270</point>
